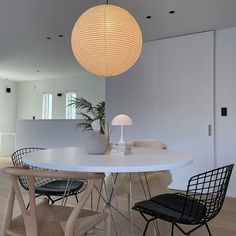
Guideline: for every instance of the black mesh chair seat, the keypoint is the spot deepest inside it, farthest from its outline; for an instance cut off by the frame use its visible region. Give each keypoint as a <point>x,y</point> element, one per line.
<point>47,186</point>
<point>57,188</point>
<point>201,203</point>
<point>169,207</point>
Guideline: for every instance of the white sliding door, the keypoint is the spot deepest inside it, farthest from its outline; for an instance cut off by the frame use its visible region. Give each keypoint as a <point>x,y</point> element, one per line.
<point>184,100</point>
<point>168,94</point>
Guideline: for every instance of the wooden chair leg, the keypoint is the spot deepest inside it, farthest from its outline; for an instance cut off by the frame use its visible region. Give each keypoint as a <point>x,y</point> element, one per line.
<point>8,212</point>
<point>29,217</point>
<point>69,229</point>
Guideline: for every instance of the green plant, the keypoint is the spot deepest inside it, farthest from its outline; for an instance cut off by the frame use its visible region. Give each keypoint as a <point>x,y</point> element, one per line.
<point>89,113</point>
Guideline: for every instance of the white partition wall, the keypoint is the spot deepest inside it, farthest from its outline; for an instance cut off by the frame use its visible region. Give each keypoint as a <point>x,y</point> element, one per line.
<point>49,134</point>
<point>169,96</point>
<point>226,98</point>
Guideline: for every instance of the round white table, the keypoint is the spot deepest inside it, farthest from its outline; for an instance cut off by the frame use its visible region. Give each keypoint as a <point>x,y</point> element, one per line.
<point>77,159</point>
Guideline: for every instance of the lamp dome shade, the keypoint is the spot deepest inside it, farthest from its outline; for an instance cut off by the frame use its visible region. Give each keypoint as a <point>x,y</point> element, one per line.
<point>106,40</point>
<point>121,119</point>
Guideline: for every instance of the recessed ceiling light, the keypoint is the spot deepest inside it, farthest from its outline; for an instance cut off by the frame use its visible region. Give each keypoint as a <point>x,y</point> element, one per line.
<point>148,17</point>
<point>48,38</point>
<point>60,35</point>
<point>172,12</point>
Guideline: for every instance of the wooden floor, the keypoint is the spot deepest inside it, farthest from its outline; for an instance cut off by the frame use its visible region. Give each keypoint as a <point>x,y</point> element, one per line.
<point>223,225</point>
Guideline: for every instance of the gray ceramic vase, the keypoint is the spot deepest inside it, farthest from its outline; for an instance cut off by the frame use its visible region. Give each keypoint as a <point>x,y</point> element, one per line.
<point>96,143</point>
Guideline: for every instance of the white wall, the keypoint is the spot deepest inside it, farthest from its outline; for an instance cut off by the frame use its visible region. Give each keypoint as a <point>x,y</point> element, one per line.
<point>49,134</point>
<point>169,96</point>
<point>30,94</point>
<point>132,93</point>
<point>226,97</point>
<point>135,91</point>
<point>8,107</point>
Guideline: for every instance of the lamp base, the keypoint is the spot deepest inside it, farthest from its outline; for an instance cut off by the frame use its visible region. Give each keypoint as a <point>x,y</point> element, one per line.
<point>121,141</point>
<point>121,149</point>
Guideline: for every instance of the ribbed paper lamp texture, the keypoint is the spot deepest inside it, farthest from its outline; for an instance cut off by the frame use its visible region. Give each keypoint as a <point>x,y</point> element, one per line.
<point>106,40</point>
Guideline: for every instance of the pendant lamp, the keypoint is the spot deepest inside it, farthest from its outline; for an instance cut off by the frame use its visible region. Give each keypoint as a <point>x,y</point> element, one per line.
<point>106,40</point>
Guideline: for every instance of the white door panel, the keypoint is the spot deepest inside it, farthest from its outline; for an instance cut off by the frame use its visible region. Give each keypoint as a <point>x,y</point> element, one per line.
<point>184,100</point>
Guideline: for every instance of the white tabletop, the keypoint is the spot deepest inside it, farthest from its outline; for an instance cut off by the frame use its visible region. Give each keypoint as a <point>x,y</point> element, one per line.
<point>77,159</point>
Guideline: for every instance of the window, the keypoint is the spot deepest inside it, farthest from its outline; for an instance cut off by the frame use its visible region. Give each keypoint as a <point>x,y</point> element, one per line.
<point>47,106</point>
<point>70,110</point>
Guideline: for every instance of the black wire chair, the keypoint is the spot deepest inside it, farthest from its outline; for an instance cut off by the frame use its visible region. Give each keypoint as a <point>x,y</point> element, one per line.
<point>202,202</point>
<point>47,186</point>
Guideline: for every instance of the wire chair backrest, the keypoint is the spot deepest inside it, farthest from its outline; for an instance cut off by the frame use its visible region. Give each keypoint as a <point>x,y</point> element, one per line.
<point>17,160</point>
<point>206,193</point>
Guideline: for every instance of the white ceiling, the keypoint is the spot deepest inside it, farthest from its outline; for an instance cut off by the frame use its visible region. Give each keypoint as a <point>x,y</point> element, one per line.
<point>25,25</point>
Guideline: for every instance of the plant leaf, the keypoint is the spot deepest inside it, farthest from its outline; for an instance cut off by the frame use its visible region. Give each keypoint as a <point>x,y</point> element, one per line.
<point>89,113</point>
<point>81,103</point>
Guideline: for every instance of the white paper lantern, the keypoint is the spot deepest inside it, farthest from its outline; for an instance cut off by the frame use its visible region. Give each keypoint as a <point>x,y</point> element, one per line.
<point>106,40</point>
